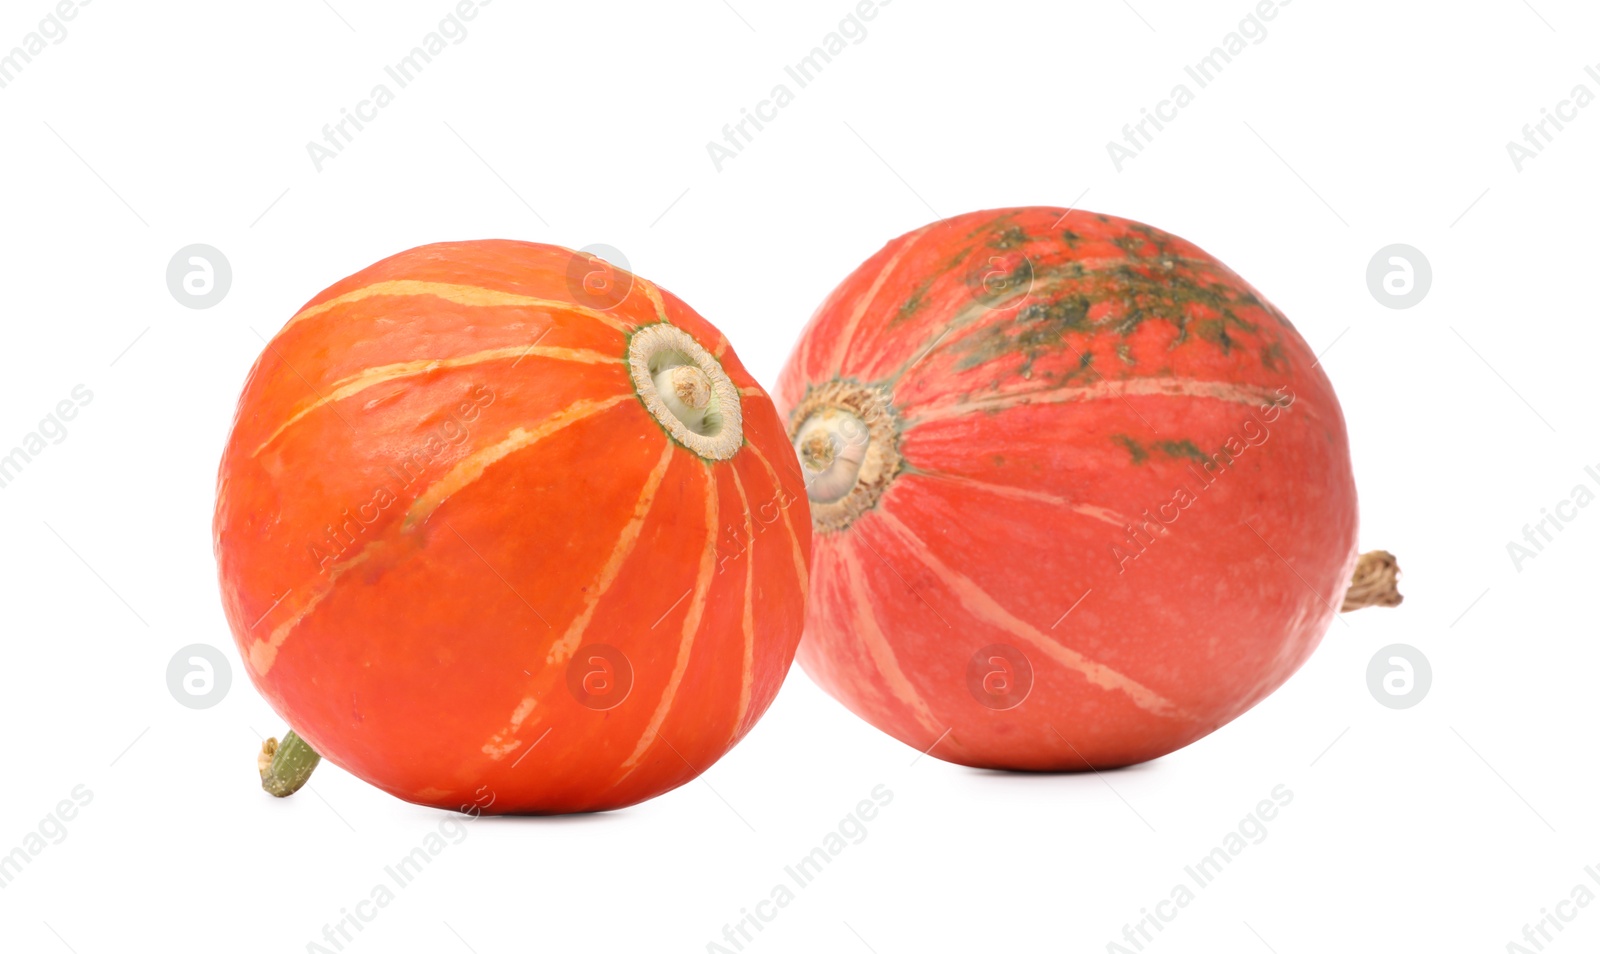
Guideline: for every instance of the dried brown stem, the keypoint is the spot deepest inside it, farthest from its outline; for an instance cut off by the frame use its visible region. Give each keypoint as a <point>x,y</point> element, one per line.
<point>1376,582</point>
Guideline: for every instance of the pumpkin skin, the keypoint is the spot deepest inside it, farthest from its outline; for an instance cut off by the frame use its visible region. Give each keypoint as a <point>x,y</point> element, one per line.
<point>466,561</point>
<point>1105,502</point>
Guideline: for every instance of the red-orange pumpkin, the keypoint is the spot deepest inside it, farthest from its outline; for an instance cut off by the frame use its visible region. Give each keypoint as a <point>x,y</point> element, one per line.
<point>502,528</point>
<point>1081,494</point>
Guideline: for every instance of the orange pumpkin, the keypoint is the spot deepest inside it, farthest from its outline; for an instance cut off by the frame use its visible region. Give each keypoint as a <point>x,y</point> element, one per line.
<point>503,528</point>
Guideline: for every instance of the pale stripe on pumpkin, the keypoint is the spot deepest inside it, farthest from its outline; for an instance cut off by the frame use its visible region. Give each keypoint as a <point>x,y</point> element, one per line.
<point>986,609</point>
<point>456,294</point>
<point>504,741</point>
<point>865,302</point>
<point>1132,387</point>
<point>1021,493</point>
<point>748,622</point>
<point>371,377</point>
<point>654,294</point>
<point>471,467</point>
<point>626,540</point>
<point>871,634</point>
<point>265,651</point>
<point>794,538</point>
<point>691,626</point>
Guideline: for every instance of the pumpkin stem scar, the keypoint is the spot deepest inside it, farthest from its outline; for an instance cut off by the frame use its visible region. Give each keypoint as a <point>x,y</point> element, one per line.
<point>1375,582</point>
<point>817,451</point>
<point>685,388</point>
<point>847,436</point>
<point>286,766</point>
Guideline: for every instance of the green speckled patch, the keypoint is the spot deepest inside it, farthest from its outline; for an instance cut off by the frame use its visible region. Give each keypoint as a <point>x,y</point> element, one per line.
<point>1151,286</point>
<point>1013,237</point>
<point>1183,448</point>
<point>1041,326</point>
<point>912,305</point>
<point>1272,357</point>
<point>1136,452</point>
<point>1139,453</point>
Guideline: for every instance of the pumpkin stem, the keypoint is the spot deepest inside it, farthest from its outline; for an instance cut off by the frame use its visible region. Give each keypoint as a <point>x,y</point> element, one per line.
<point>285,766</point>
<point>1375,582</point>
<point>847,436</point>
<point>686,389</point>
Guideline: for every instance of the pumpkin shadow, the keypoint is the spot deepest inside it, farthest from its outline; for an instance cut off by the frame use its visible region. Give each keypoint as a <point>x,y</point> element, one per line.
<point>571,818</point>
<point>1134,769</point>
<point>464,818</point>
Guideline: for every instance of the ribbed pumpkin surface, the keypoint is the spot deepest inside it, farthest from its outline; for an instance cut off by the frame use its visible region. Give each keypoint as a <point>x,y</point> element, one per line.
<point>1106,504</point>
<point>463,558</point>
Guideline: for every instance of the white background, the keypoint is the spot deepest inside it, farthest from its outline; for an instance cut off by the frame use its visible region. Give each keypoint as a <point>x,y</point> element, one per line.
<point>1351,126</point>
